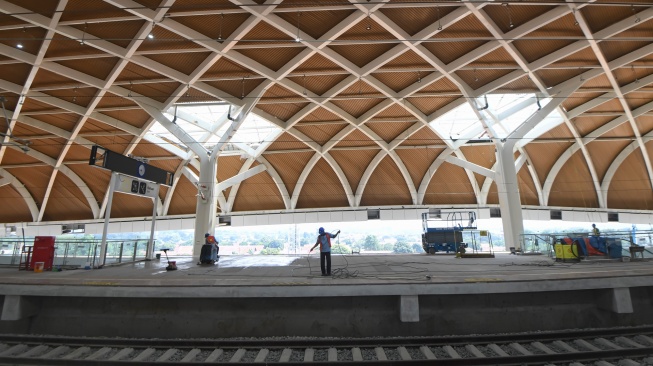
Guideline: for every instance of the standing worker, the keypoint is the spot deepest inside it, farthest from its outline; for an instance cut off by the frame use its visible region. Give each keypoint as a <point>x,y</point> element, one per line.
<point>324,240</point>
<point>595,230</point>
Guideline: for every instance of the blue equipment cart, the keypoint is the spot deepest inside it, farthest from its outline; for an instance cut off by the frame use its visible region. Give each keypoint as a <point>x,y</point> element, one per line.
<point>446,235</point>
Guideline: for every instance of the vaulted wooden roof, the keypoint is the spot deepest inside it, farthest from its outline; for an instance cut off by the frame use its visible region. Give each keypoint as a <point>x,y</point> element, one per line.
<point>354,89</point>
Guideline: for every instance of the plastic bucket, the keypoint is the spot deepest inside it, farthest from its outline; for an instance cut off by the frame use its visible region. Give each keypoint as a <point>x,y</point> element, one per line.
<point>38,267</point>
<point>158,255</point>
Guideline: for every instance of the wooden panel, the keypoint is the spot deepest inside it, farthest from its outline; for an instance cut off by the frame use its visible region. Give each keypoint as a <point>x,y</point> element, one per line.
<point>388,131</point>
<point>417,161</point>
<point>184,198</point>
<point>322,133</point>
<point>353,163</point>
<point>544,156</point>
<point>287,142</point>
<point>603,154</point>
<point>322,188</point>
<point>35,180</point>
<point>356,138</point>
<point>573,186</point>
<point>630,187</point>
<point>585,124</point>
<point>273,58</point>
<point>449,185</point>
<point>386,186</point>
<point>258,193</point>
<point>527,191</point>
<point>423,137</point>
<point>289,166</point>
<point>97,179</point>
<point>13,157</point>
<point>14,207</point>
<point>66,200</point>
<point>480,155</point>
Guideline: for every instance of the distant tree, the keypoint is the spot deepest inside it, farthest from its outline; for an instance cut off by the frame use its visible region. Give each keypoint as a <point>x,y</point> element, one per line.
<point>270,251</point>
<point>386,246</point>
<point>417,248</point>
<point>340,249</point>
<point>273,244</point>
<point>402,247</point>
<point>371,243</point>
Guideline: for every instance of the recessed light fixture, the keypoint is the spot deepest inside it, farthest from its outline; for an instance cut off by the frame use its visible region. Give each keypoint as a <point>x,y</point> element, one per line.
<point>20,45</point>
<point>150,36</point>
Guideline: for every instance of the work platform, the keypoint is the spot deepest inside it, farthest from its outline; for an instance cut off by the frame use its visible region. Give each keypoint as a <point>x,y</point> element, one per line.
<point>369,295</point>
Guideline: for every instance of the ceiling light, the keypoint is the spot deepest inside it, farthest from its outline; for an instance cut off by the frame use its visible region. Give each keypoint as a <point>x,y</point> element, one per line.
<point>221,21</point>
<point>637,20</point>
<point>150,36</point>
<point>20,45</point>
<point>298,39</point>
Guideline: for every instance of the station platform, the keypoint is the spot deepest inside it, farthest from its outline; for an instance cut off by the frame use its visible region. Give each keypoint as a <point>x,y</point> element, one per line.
<point>367,295</point>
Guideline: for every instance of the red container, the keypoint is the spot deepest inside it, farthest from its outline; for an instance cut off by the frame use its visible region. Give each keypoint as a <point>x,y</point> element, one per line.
<point>43,252</point>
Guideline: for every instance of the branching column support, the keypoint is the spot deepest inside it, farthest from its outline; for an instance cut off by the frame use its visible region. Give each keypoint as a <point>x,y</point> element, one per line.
<point>507,183</point>
<point>207,197</point>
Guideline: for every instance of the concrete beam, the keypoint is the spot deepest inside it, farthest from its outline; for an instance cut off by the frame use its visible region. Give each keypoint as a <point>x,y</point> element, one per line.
<point>409,308</point>
<point>18,307</point>
<point>617,300</point>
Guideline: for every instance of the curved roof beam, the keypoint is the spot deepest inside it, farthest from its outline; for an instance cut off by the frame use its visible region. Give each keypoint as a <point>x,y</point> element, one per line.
<point>23,191</point>
<point>616,163</point>
<point>606,127</point>
<point>276,178</point>
<point>35,68</point>
<point>92,204</point>
<point>562,160</point>
<point>615,85</point>
<point>516,55</point>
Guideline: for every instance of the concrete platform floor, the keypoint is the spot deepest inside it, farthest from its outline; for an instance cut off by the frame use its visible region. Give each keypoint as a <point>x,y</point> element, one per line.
<point>276,270</point>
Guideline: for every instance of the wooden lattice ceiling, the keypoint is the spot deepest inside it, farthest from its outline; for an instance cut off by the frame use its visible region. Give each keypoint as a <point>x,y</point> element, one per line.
<point>352,85</point>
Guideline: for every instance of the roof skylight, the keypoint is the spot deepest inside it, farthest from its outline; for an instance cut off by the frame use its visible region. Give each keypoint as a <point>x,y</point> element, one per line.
<point>209,123</point>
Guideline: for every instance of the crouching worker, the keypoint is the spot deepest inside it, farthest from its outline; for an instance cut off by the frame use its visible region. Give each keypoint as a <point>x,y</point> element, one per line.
<point>210,249</point>
<point>324,241</point>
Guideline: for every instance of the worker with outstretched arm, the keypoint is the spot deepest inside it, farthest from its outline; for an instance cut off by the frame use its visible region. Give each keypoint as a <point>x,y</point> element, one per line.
<point>324,241</point>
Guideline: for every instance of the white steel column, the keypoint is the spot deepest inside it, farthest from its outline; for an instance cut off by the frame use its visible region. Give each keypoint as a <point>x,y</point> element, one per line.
<point>206,201</point>
<point>107,217</point>
<point>150,244</point>
<point>509,200</point>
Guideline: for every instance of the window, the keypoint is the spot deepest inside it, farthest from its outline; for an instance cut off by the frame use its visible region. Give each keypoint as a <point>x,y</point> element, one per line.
<point>73,229</point>
<point>556,215</point>
<point>613,216</point>
<point>434,213</point>
<point>495,212</point>
<point>224,220</point>
<point>373,214</point>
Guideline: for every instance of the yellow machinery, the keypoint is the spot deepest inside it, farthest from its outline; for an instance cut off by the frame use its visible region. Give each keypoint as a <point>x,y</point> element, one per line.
<point>566,252</point>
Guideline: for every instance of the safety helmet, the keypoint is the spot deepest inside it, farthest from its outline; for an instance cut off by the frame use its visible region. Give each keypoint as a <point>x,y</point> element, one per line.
<point>207,235</point>
<point>321,230</point>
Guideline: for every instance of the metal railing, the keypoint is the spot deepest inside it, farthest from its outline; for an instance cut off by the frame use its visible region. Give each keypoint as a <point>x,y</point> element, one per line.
<point>77,253</point>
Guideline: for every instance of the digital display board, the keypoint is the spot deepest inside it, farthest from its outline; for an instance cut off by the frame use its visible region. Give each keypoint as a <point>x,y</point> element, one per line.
<point>116,162</point>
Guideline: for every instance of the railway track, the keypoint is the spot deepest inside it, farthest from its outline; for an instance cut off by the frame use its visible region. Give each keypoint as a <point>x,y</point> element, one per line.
<point>602,347</point>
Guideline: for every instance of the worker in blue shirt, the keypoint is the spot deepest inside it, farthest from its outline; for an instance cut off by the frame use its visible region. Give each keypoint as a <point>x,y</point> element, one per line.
<point>324,241</point>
